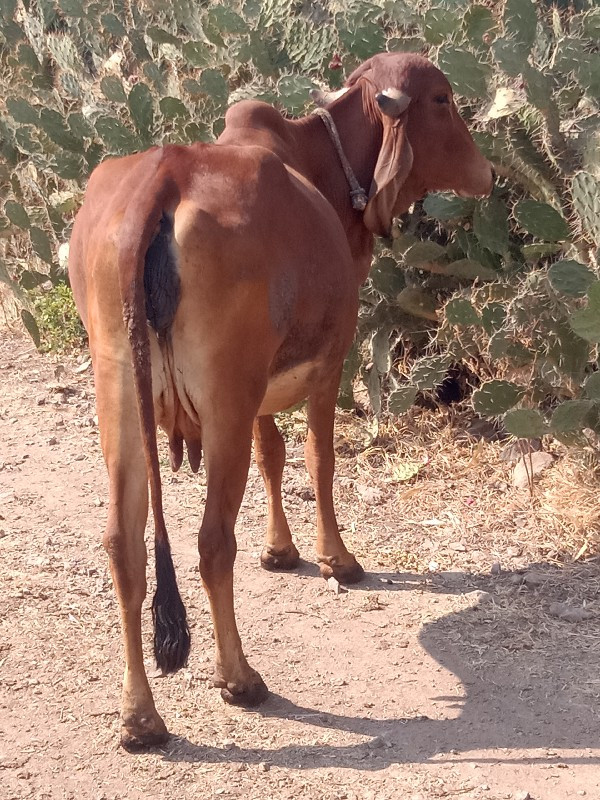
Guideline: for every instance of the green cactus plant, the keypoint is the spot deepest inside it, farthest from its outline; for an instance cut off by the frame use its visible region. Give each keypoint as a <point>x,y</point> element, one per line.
<point>141,108</point>
<point>570,416</point>
<point>429,372</point>
<point>541,220</point>
<point>501,282</point>
<point>467,73</point>
<point>117,139</point>
<point>445,206</point>
<point>496,397</point>
<point>586,322</point>
<point>17,214</point>
<point>525,423</point>
<point>591,386</point>
<point>54,124</point>
<point>111,87</point>
<point>401,399</point>
<point>490,225</point>
<point>585,191</point>
<point>570,277</point>
<point>460,311</point>
<point>64,52</point>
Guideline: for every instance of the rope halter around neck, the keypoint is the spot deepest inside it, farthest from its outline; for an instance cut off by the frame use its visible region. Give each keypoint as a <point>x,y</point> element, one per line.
<point>358,196</point>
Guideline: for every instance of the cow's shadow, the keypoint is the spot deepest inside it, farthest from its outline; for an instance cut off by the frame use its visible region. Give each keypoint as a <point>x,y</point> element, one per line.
<point>525,677</point>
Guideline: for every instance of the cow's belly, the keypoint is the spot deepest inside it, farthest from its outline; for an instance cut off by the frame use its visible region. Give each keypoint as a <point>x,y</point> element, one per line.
<point>289,387</point>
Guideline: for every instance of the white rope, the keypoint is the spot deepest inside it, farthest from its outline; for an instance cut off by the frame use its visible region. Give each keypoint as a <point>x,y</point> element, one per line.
<point>357,194</point>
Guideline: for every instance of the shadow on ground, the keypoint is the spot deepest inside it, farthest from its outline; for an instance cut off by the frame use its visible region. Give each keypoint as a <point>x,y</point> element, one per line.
<point>519,693</point>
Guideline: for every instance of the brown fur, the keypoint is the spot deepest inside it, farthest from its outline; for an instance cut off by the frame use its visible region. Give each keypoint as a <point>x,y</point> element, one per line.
<point>270,255</point>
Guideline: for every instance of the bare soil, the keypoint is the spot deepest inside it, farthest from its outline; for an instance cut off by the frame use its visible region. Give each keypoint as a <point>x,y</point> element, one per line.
<point>444,674</point>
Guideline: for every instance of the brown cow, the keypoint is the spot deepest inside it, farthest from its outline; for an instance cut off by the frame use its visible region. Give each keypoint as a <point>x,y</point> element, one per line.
<point>219,285</point>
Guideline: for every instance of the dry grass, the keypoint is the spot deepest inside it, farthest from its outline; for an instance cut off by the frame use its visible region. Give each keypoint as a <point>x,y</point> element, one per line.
<point>454,495</point>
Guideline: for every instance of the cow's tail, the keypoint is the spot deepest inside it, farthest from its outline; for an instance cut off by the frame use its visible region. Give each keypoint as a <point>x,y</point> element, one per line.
<point>155,192</point>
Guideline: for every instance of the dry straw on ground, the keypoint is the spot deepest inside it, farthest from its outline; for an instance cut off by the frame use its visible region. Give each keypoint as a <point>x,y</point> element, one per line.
<point>426,461</point>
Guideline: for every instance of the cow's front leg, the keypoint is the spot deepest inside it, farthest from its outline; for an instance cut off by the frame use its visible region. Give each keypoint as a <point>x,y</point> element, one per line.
<point>269,450</point>
<point>227,456</point>
<point>124,542</point>
<point>334,559</point>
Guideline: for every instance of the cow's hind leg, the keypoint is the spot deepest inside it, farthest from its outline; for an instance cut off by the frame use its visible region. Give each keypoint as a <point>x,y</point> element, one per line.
<point>334,559</point>
<point>269,450</point>
<point>124,542</point>
<point>227,442</point>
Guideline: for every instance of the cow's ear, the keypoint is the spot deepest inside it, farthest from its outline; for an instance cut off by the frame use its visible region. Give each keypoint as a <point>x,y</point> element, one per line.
<point>391,171</point>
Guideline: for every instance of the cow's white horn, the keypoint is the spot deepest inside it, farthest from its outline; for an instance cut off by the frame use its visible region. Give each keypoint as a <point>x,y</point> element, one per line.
<point>392,102</point>
<point>323,98</point>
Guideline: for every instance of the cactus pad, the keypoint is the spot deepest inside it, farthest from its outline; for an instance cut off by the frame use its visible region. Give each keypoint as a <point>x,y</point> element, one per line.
<point>41,244</point>
<point>423,252</point>
<point>478,22</point>
<point>509,56</point>
<point>387,277</point>
<point>541,220</point>
<point>429,372</point>
<point>460,311</point>
<point>438,24</point>
<point>213,84</point>
<point>401,399</point>
<point>496,397</point>
<point>55,125</point>
<point>141,108</point>
<point>447,206</point>
<point>294,92</point>
<point>570,278</point>
<point>493,317</point>
<point>586,322</point>
<point>469,269</point>
<point>467,74</point>
<point>520,22</point>
<point>525,423</point>
<point>64,52</point>
<point>592,386</point>
<point>116,137</point>
<point>570,416</point>
<point>112,88</point>
<point>585,191</point>
<point>490,225</point>
<point>17,215</point>
<point>417,302</point>
<point>70,85</point>
<point>22,111</point>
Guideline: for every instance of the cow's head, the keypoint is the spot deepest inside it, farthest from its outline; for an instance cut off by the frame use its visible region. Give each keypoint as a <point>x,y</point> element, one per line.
<point>426,145</point>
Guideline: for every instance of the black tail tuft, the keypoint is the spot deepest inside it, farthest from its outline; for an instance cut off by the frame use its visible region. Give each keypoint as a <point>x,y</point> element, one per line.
<point>171,632</point>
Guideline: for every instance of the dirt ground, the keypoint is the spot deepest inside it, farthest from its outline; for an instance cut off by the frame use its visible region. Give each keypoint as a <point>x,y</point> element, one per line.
<point>444,674</point>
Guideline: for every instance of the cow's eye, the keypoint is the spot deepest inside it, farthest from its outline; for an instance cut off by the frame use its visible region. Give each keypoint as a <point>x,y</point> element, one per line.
<point>442,99</point>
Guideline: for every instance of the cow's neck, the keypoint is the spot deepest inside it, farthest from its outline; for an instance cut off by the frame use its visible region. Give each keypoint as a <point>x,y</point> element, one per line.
<point>360,134</point>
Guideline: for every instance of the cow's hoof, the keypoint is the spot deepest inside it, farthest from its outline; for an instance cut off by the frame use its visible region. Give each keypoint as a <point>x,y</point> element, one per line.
<point>348,572</point>
<point>249,693</point>
<point>143,733</point>
<point>273,559</point>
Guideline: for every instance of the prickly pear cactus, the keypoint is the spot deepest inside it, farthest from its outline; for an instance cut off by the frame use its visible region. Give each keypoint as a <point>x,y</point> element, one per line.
<point>585,191</point>
<point>525,423</point>
<point>541,220</point>
<point>570,277</point>
<point>496,397</point>
<point>507,282</point>
<point>429,372</point>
